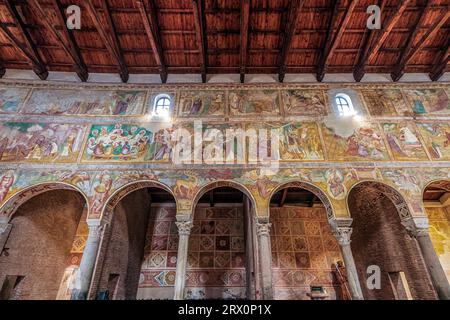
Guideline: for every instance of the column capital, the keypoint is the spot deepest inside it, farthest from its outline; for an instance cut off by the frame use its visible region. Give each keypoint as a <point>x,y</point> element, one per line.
<point>95,230</point>
<point>263,228</point>
<point>184,227</point>
<point>417,226</point>
<point>343,235</point>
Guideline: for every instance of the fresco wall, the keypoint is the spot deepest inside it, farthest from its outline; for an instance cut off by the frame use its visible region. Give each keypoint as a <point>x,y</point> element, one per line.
<point>100,138</point>
<point>440,234</point>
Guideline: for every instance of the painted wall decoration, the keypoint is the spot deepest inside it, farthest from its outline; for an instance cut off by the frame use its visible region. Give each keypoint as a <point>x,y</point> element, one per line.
<point>126,142</point>
<point>364,142</point>
<point>305,102</point>
<point>303,253</point>
<point>39,142</point>
<point>206,103</point>
<point>300,141</point>
<point>86,102</point>
<point>11,99</point>
<point>439,218</point>
<point>428,101</point>
<point>437,139</point>
<point>384,102</point>
<point>254,102</point>
<point>403,141</point>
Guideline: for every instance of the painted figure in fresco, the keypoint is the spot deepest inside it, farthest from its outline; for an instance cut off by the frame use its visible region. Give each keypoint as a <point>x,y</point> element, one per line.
<point>429,100</point>
<point>304,102</point>
<point>161,148</point>
<point>202,103</point>
<point>101,190</point>
<point>300,142</point>
<point>187,188</point>
<point>243,102</point>
<point>437,138</point>
<point>335,181</point>
<point>6,182</point>
<point>365,142</point>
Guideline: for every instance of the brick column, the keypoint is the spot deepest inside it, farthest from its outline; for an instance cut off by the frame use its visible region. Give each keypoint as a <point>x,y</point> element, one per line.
<point>265,258</point>
<point>343,235</point>
<point>419,229</point>
<point>184,231</point>
<point>86,270</point>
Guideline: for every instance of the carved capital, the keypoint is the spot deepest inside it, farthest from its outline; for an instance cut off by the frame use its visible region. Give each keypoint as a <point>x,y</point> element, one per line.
<point>343,235</point>
<point>263,228</point>
<point>95,231</point>
<point>417,226</point>
<point>184,227</point>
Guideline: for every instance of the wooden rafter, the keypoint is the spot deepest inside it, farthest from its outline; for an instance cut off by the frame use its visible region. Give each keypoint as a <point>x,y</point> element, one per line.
<point>197,7</point>
<point>245,17</point>
<point>148,13</point>
<point>333,40</point>
<point>29,49</point>
<point>438,69</point>
<point>412,51</point>
<point>291,27</point>
<point>283,198</point>
<point>359,71</point>
<point>109,37</point>
<point>71,48</point>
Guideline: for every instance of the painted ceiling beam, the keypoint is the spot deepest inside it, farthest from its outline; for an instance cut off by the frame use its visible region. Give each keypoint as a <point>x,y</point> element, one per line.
<point>29,49</point>
<point>71,49</point>
<point>333,40</point>
<point>438,69</point>
<point>245,17</point>
<point>359,72</point>
<point>109,37</point>
<point>197,7</point>
<point>147,9</point>
<point>291,26</point>
<point>399,70</point>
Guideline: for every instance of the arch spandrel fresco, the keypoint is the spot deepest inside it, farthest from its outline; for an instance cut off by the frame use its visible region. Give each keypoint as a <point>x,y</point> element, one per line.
<point>402,138</point>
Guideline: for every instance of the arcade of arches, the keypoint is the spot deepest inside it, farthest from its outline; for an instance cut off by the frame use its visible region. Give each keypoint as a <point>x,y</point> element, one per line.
<point>340,204</point>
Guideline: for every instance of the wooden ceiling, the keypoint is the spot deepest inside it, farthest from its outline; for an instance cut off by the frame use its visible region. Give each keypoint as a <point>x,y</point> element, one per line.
<point>225,36</point>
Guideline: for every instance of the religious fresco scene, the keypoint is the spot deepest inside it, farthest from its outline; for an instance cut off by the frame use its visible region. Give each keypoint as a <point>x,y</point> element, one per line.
<point>238,229</point>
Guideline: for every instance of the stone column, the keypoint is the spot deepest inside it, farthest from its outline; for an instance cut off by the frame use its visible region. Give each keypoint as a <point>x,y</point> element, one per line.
<point>86,270</point>
<point>419,229</point>
<point>184,231</point>
<point>265,258</point>
<point>343,235</point>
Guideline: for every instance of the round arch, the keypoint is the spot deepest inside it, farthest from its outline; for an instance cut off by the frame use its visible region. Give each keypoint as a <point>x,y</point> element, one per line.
<point>319,193</point>
<point>389,191</point>
<point>440,183</point>
<point>219,184</point>
<point>125,190</point>
<point>13,203</point>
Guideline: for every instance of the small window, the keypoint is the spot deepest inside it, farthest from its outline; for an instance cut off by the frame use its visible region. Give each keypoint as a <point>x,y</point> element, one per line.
<point>344,105</point>
<point>162,107</point>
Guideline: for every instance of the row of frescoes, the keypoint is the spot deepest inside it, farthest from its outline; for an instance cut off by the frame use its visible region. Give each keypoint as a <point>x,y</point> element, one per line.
<point>214,103</point>
<point>99,187</point>
<point>155,143</point>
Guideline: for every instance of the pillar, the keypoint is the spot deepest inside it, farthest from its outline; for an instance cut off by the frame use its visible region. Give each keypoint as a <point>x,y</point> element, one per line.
<point>265,258</point>
<point>419,229</point>
<point>343,236</point>
<point>86,270</point>
<point>184,231</point>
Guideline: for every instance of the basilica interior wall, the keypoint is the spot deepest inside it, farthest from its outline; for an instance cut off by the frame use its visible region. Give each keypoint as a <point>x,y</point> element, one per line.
<point>40,244</point>
<point>125,251</point>
<point>379,239</point>
<point>304,253</point>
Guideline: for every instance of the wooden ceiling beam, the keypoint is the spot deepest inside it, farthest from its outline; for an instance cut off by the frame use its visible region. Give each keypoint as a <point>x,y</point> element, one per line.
<point>197,7</point>
<point>291,26</point>
<point>283,198</point>
<point>29,49</point>
<point>71,49</point>
<point>109,37</point>
<point>359,71</point>
<point>147,9</point>
<point>245,17</point>
<point>334,40</point>
<point>411,51</point>
<point>438,69</point>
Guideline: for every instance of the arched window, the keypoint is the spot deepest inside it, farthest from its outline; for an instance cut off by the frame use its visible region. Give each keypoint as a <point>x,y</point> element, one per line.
<point>344,105</point>
<point>162,106</point>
